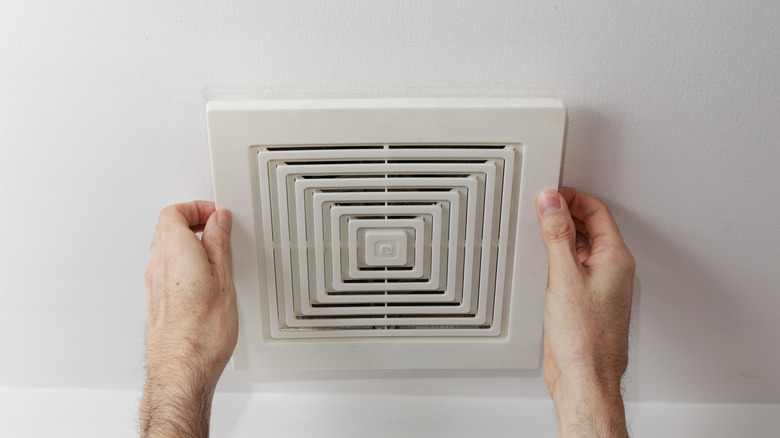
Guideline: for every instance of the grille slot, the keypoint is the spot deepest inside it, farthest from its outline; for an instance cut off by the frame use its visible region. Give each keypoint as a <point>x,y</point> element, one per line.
<point>395,240</point>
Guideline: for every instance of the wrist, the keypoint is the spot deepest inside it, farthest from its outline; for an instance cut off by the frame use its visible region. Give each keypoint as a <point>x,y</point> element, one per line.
<point>174,406</point>
<point>182,356</point>
<point>177,396</point>
<point>587,405</point>
<point>183,374</point>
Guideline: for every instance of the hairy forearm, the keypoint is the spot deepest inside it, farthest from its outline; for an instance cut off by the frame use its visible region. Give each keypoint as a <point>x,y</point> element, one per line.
<point>175,402</point>
<point>163,413</point>
<point>587,408</point>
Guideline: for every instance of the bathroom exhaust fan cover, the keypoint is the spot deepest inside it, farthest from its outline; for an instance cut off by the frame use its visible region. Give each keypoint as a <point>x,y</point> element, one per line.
<point>387,233</point>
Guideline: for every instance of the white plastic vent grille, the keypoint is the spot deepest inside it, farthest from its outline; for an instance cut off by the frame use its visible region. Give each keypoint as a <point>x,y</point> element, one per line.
<point>386,233</point>
<point>445,207</point>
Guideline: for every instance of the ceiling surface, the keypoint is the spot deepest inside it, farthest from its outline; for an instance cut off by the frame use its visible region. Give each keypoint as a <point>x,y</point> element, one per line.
<point>674,121</point>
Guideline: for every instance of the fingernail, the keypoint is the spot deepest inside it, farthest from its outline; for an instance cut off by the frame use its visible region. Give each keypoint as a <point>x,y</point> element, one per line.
<point>549,202</point>
<point>224,219</point>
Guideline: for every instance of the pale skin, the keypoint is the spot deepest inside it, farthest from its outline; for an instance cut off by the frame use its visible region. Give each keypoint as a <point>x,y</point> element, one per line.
<point>193,322</point>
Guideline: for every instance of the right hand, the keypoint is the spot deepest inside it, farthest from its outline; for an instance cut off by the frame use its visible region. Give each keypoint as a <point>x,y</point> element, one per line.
<point>588,303</point>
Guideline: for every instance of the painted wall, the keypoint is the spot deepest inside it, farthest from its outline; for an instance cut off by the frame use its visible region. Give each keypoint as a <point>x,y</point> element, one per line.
<point>673,120</point>
<point>98,413</point>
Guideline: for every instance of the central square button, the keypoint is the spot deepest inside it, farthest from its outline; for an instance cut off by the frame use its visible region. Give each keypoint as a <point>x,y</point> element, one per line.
<point>385,247</point>
<point>380,249</point>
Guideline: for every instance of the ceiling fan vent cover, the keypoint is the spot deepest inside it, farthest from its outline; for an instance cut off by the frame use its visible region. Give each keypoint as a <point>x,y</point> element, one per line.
<point>387,233</point>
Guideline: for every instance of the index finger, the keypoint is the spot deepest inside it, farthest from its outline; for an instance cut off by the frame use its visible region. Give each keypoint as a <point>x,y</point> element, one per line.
<point>189,214</point>
<point>186,216</point>
<point>596,217</point>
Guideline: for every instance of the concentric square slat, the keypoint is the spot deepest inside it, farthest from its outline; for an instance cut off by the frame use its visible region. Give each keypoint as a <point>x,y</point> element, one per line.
<point>324,189</point>
<point>339,213</point>
<point>462,223</point>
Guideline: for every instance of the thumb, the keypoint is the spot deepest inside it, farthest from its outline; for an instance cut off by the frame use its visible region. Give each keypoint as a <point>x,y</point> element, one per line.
<point>557,229</point>
<point>216,239</point>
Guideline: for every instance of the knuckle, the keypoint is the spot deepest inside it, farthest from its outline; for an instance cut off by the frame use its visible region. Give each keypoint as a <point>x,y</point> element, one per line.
<point>624,259</point>
<point>171,212</point>
<point>166,212</point>
<point>630,261</point>
<point>600,206</point>
<point>221,245</point>
<point>595,203</point>
<point>559,229</point>
<point>620,261</point>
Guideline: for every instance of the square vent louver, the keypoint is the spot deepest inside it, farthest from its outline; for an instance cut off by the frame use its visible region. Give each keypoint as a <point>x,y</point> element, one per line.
<point>387,233</point>
<point>336,211</point>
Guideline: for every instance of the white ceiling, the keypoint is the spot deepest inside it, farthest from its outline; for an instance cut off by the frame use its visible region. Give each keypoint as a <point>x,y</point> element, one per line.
<point>673,120</point>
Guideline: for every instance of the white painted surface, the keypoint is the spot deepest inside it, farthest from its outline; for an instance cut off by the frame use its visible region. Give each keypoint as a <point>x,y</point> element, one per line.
<point>87,413</point>
<point>673,120</point>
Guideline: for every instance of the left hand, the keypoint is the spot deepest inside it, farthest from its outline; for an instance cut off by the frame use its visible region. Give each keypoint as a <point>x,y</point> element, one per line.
<point>193,319</point>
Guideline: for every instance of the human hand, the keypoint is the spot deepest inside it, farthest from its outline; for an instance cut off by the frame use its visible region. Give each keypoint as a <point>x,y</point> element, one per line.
<point>193,319</point>
<point>587,312</point>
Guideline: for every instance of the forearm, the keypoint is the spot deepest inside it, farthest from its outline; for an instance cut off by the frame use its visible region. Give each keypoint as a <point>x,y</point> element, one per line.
<point>175,404</point>
<point>587,408</point>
